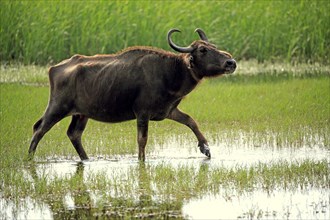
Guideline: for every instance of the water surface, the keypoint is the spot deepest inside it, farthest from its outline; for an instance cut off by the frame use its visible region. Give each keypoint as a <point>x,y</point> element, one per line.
<point>310,202</point>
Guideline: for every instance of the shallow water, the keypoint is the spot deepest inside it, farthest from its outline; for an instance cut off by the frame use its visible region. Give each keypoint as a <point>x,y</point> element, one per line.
<point>306,203</point>
<point>186,155</point>
<point>280,204</point>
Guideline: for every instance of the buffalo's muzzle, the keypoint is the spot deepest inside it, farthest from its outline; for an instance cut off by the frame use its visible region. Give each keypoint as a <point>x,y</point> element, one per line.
<point>230,65</point>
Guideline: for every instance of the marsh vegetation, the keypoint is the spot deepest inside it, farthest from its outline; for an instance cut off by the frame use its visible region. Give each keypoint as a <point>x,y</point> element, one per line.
<point>293,31</point>
<point>268,133</point>
<point>268,125</point>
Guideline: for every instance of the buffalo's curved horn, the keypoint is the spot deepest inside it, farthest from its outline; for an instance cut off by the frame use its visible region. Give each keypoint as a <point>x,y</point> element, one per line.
<point>201,34</point>
<point>176,47</point>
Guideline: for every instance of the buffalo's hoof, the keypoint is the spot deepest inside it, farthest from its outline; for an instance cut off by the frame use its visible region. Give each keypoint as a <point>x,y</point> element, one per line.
<point>30,156</point>
<point>205,150</point>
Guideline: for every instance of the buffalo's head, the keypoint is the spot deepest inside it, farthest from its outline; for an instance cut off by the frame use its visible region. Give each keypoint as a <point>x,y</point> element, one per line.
<point>204,58</point>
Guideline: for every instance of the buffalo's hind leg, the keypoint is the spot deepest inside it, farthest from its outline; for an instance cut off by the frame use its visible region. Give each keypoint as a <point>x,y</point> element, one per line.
<point>76,128</point>
<point>185,119</point>
<point>41,127</point>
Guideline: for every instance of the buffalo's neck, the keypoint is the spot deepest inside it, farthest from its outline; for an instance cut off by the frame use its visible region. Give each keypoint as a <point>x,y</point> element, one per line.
<point>190,83</point>
<point>185,80</point>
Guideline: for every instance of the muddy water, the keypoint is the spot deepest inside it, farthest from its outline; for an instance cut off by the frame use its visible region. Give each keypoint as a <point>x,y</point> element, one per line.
<point>307,203</point>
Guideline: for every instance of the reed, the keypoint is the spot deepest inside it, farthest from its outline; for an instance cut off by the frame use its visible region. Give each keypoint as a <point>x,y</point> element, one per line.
<point>43,32</point>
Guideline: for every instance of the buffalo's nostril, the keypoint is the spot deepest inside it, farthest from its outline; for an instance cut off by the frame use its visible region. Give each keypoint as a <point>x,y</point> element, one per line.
<point>231,63</point>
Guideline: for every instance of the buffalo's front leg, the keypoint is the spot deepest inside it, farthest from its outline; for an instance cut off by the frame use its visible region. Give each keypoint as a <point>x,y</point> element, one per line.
<point>185,119</point>
<point>142,135</point>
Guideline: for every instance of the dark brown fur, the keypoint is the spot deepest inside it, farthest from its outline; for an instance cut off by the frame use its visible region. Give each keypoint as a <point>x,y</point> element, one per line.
<point>142,83</point>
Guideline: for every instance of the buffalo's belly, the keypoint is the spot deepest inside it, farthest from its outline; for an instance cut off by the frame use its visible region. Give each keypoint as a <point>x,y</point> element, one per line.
<point>113,106</point>
<point>115,114</point>
<point>108,112</point>
<point>112,117</point>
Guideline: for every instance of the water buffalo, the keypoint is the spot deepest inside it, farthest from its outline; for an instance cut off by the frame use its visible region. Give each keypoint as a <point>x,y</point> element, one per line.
<point>141,83</point>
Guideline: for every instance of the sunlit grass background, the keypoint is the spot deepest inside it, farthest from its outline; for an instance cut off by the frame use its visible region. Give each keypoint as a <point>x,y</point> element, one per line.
<point>48,31</point>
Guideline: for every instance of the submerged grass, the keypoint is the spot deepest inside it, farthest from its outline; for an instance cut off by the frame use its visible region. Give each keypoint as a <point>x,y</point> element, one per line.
<point>159,190</point>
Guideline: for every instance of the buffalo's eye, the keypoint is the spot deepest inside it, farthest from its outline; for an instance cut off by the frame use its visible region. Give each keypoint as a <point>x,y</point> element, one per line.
<point>203,49</point>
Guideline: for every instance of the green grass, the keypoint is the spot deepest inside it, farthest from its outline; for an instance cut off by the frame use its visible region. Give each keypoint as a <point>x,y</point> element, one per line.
<point>275,106</point>
<point>274,103</point>
<point>289,108</point>
<point>46,32</point>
